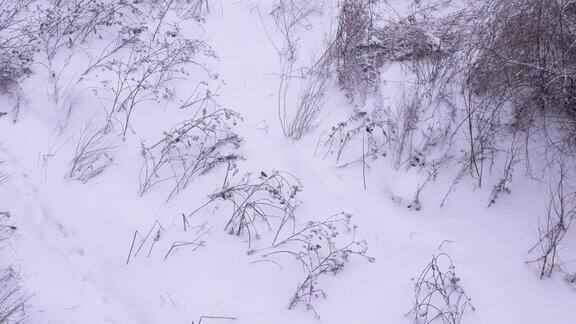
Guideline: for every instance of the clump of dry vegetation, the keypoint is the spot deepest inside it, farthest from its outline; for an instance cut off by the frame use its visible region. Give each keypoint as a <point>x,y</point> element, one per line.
<point>262,210</point>
<point>260,203</point>
<point>552,250</point>
<point>487,81</point>
<point>323,248</point>
<point>438,293</point>
<point>490,90</point>
<point>190,148</point>
<point>18,44</point>
<point>94,152</point>
<point>14,301</point>
<point>307,84</point>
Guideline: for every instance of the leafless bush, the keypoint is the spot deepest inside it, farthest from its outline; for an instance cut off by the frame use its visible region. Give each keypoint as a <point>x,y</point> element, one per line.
<point>67,27</point>
<point>419,126</point>
<point>526,53</point>
<point>321,251</point>
<point>364,43</point>
<point>310,102</point>
<point>518,79</point>
<point>14,302</point>
<point>356,65</point>
<point>368,128</point>
<point>415,127</point>
<point>438,295</point>
<point>17,48</point>
<point>559,218</point>
<point>517,68</point>
<point>359,140</point>
<point>94,152</point>
<point>142,51</point>
<point>263,209</point>
<point>192,147</point>
<point>16,43</point>
<point>413,131</point>
<point>441,55</point>
<point>71,23</point>
<point>292,16</point>
<point>145,73</point>
<point>263,203</point>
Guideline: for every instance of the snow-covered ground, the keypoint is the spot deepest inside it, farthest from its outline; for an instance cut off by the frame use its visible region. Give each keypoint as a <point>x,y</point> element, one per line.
<point>74,237</point>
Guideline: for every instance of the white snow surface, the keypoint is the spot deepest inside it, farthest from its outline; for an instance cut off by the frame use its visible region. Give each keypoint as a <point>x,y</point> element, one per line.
<point>74,237</point>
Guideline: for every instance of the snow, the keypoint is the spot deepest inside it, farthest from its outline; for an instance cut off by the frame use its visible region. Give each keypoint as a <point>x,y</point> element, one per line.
<point>75,237</point>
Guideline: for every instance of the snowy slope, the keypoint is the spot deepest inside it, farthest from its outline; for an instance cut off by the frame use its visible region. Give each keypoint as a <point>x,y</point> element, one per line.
<point>75,237</point>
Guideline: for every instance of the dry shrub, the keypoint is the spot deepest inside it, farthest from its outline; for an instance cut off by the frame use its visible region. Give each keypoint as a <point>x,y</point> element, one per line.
<point>357,63</point>
<point>16,42</point>
<point>438,294</point>
<point>322,248</point>
<point>524,52</point>
<point>94,152</point>
<point>365,42</point>
<point>292,16</point>
<point>261,204</point>
<point>556,232</point>
<point>14,302</point>
<point>262,209</point>
<point>192,147</point>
